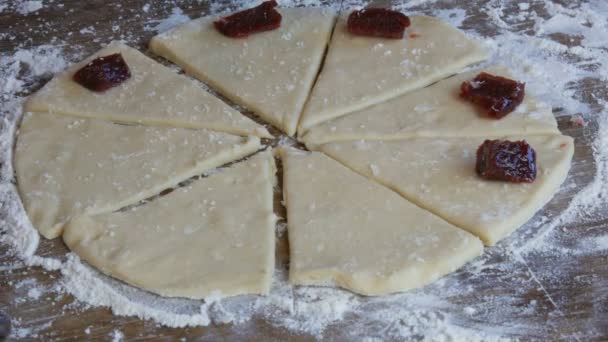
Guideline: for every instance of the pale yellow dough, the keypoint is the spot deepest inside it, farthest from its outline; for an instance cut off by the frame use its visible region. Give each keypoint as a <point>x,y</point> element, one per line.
<point>154,95</point>
<point>435,111</point>
<point>348,231</point>
<point>270,73</point>
<point>363,71</point>
<point>212,237</point>
<point>438,174</point>
<point>67,166</point>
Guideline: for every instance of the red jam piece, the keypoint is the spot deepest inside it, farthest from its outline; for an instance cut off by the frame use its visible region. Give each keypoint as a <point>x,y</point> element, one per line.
<point>499,96</point>
<point>103,73</point>
<point>511,161</point>
<point>378,22</point>
<point>257,19</point>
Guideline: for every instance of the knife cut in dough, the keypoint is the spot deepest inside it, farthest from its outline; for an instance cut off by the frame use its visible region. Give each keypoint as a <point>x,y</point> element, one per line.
<point>439,175</point>
<point>213,236</point>
<point>435,111</point>
<point>270,73</point>
<point>68,166</point>
<point>153,95</point>
<point>349,231</point>
<point>362,71</point>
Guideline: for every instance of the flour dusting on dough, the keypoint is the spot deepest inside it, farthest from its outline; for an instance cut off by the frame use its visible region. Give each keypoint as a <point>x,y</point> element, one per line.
<point>551,69</point>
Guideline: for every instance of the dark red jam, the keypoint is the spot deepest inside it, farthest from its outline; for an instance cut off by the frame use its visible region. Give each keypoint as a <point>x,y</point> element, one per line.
<point>498,96</point>
<point>510,161</point>
<point>378,22</point>
<point>103,73</point>
<point>263,17</point>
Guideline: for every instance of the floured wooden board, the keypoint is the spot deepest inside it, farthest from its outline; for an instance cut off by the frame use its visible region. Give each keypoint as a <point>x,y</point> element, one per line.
<point>547,282</point>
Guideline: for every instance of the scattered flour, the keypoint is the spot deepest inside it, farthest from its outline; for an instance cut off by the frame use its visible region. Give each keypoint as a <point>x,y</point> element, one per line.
<point>177,17</point>
<point>26,7</point>
<point>594,244</point>
<point>281,229</point>
<point>117,336</point>
<point>22,333</point>
<point>430,314</point>
<point>286,141</point>
<point>34,293</point>
<point>454,16</point>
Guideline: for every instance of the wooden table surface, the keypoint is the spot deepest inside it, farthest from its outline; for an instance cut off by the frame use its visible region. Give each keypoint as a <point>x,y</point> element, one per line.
<point>570,291</point>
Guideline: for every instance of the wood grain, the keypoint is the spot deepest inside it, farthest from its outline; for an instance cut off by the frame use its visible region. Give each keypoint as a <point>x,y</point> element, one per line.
<point>570,291</point>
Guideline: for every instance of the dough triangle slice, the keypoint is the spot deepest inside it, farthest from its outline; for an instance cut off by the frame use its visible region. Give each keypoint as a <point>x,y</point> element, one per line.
<point>67,166</point>
<point>153,95</point>
<point>349,231</point>
<point>270,73</point>
<point>214,236</point>
<point>439,175</point>
<point>435,111</point>
<point>362,71</point>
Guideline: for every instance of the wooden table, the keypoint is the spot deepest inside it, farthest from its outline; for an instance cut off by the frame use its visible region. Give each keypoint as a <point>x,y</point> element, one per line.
<point>570,291</point>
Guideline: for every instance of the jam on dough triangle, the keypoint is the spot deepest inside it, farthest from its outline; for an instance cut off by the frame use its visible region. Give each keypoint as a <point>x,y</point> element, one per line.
<point>153,95</point>
<point>270,73</point>
<point>362,71</point>
<point>67,166</point>
<point>214,236</point>
<point>435,111</point>
<point>438,174</point>
<point>348,231</point>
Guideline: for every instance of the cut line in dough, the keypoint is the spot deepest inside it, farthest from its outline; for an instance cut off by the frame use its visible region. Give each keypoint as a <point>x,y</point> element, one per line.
<point>153,95</point>
<point>346,230</point>
<point>438,174</point>
<point>66,166</point>
<point>270,72</point>
<point>213,237</point>
<point>362,71</point>
<point>435,111</point>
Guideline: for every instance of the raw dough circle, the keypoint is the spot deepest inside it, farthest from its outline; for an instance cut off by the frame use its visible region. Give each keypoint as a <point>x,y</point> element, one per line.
<point>389,201</point>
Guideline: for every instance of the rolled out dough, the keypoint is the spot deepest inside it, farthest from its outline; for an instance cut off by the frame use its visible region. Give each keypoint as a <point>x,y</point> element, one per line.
<point>154,95</point>
<point>270,73</point>
<point>349,231</point>
<point>438,174</point>
<point>348,225</point>
<point>362,71</point>
<point>435,111</point>
<point>67,166</point>
<point>214,236</point>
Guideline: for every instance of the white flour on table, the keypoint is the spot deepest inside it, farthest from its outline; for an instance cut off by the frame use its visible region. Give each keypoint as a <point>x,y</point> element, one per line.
<point>550,68</point>
<point>177,17</point>
<point>26,7</point>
